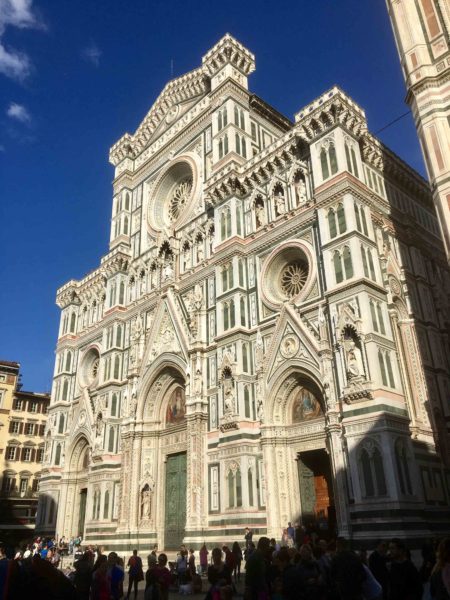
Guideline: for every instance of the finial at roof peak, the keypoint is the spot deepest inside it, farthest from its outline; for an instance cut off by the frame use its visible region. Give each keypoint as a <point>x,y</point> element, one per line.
<point>228,51</point>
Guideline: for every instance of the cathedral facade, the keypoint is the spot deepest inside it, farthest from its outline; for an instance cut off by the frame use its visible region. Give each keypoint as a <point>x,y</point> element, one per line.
<point>266,339</point>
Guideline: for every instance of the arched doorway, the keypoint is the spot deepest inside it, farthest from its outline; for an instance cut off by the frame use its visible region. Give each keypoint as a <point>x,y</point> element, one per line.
<point>79,469</point>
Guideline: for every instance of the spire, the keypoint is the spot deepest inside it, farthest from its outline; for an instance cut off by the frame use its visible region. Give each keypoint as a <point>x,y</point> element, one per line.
<point>228,58</point>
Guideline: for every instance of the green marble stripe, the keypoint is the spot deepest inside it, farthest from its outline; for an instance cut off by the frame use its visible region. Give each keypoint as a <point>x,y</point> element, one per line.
<point>376,408</point>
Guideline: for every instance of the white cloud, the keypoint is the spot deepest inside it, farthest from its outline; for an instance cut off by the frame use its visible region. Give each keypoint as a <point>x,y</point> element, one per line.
<point>20,14</point>
<point>91,53</point>
<point>18,112</point>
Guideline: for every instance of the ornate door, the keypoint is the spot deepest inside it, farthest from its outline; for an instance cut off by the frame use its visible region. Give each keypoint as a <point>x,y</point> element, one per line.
<point>175,509</point>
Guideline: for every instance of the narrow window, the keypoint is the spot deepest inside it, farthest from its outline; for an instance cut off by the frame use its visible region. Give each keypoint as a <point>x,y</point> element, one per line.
<point>324,164</point>
<point>348,266</point>
<point>111,440</point>
<point>231,497</point>
<point>68,361</point>
<point>355,164</point>
<point>232,315</point>
<point>121,292</point>
<point>224,279</point>
<point>389,370</point>
<point>247,402</point>
<point>338,267</point>
<point>238,488</point>
<point>116,367</point>
<point>253,131</point>
<point>225,116</point>
<point>332,223</point>
<point>371,267</point>
<point>114,405</point>
<point>236,115</point>
<point>65,390</point>
<point>106,505</point>
<point>358,218</point>
<point>367,473</point>
<point>220,148</point>
<point>341,219</point>
<point>238,143</point>
<point>225,144</point>
<point>364,261</point>
<point>379,472</point>
<point>250,487</point>
<point>242,310</point>
<point>219,120</point>
<point>333,159</point>
<point>72,322</point>
<point>364,222</point>
<point>382,368</point>
<point>61,424</point>
<point>347,156</point>
<point>241,272</point>
<point>223,225</point>
<point>119,336</point>
<point>380,319</point>
<point>244,148</point>
<point>245,358</point>
<point>374,318</point>
<point>58,454</point>
<point>125,225</point>
<point>226,321</point>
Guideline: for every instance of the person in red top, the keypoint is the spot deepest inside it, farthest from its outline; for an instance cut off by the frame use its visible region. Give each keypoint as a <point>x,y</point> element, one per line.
<point>135,573</point>
<point>162,575</point>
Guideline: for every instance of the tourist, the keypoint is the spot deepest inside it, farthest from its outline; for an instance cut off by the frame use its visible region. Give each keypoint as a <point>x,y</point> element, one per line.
<point>191,563</point>
<point>347,572</point>
<point>101,587</point>
<point>162,576</point>
<point>308,575</point>
<point>204,558</point>
<point>248,536</point>
<point>152,586</point>
<point>440,577</point>
<point>116,576</point>
<point>291,534</point>
<point>256,571</point>
<point>404,580</point>
<point>182,564</point>
<point>71,546</point>
<point>378,565</point>
<point>237,554</point>
<point>83,576</point>
<point>219,576</point>
<point>135,573</point>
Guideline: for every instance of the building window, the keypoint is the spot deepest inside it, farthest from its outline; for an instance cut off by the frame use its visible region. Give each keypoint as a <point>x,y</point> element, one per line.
<point>376,312</point>
<point>242,311</point>
<point>26,454</point>
<point>360,215</point>
<point>367,261</point>
<point>241,272</point>
<point>65,390</point>
<point>9,484</point>
<point>117,367</point>
<point>253,131</point>
<point>247,402</point>
<point>402,460</point>
<point>111,440</point>
<point>114,405</point>
<point>245,358</point>
<point>11,453</point>
<point>61,424</point>
<point>15,427</point>
<point>73,320</point>
<point>328,160</point>
<point>40,455</point>
<point>250,487</point>
<point>106,505</point>
<point>222,118</point>
<point>431,18</point>
<point>350,155</point>
<point>372,472</point>
<point>227,277</point>
<point>336,221</point>
<point>387,374</point>
<point>23,486</point>
<point>228,315</point>
<point>58,454</point>
<point>343,267</point>
<point>33,407</point>
<point>239,117</point>
<point>241,145</point>
<point>223,146</point>
<point>225,223</point>
<point>119,336</point>
<point>29,429</point>
<point>234,488</point>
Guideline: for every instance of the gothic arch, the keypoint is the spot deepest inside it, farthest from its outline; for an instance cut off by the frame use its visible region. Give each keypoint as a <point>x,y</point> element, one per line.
<point>77,452</point>
<point>279,393</point>
<point>166,371</point>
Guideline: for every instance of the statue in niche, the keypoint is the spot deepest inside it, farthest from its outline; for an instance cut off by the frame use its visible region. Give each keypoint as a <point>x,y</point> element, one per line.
<point>146,502</point>
<point>300,189</point>
<point>355,366</point>
<point>99,427</point>
<point>187,257</point>
<point>259,351</point>
<point>176,408</point>
<point>198,380</point>
<point>200,251</point>
<point>228,397</point>
<point>306,406</point>
<point>168,269</point>
<point>213,413</point>
<point>280,203</point>
<point>260,214</point>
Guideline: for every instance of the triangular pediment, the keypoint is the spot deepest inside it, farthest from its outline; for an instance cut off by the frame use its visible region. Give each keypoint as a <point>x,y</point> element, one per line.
<point>167,334</point>
<point>291,340</point>
<point>173,114</point>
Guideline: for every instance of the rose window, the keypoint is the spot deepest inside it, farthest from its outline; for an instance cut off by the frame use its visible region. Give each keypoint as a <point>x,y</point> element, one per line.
<point>180,198</point>
<point>94,368</point>
<point>293,278</point>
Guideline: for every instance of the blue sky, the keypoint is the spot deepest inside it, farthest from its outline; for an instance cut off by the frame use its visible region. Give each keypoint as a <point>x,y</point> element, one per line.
<point>76,74</point>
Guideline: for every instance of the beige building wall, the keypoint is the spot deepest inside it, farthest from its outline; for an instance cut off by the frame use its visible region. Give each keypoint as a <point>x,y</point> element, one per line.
<point>421,31</point>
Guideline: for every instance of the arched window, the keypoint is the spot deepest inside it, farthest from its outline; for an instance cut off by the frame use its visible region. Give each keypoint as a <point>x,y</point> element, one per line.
<point>94,506</point>
<point>389,370</point>
<point>401,459</point>
<point>338,267</point>
<point>364,222</point>
<point>111,440</point>
<point>238,143</point>
<point>373,315</point>
<point>236,115</point>
<point>250,487</point>
<point>225,223</point>
<point>324,164</point>
<point>112,295</point>
<point>242,310</point>
<point>125,226</point>
<point>121,292</point>
<point>347,156</point>
<point>220,148</point>
<point>114,405</point>
<point>332,223</point>
<point>244,147</point>
<point>119,336</point>
<point>106,505</point>
<point>333,159</point>
<point>231,494</point>
<point>58,454</point>
<point>245,358</point>
<point>225,143</point>
<point>246,402</point>
<point>354,162</point>
<point>97,514</point>
<point>371,266</point>
<point>348,267</point>
<point>232,314</point>
<point>68,361</point>
<point>116,367</point>
<point>73,320</point>
<point>382,368</point>
<point>238,488</point>
<point>380,318</point>
<point>65,390</point>
<point>219,120</point>
<point>127,201</point>
<point>341,219</point>
<point>364,261</point>
<point>241,272</point>
<point>61,424</point>
<point>64,325</point>
<point>372,471</point>
<point>357,216</point>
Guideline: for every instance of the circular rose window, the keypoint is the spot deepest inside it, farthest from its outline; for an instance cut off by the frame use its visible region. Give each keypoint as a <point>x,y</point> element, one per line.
<point>172,197</point>
<point>287,273</point>
<point>89,367</point>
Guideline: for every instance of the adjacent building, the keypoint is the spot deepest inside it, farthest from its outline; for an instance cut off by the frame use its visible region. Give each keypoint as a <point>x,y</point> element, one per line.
<point>23,416</point>
<point>266,339</point>
<point>422,33</point>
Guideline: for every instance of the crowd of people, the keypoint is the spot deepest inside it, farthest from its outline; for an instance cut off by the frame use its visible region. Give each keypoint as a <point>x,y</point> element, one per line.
<point>306,569</point>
